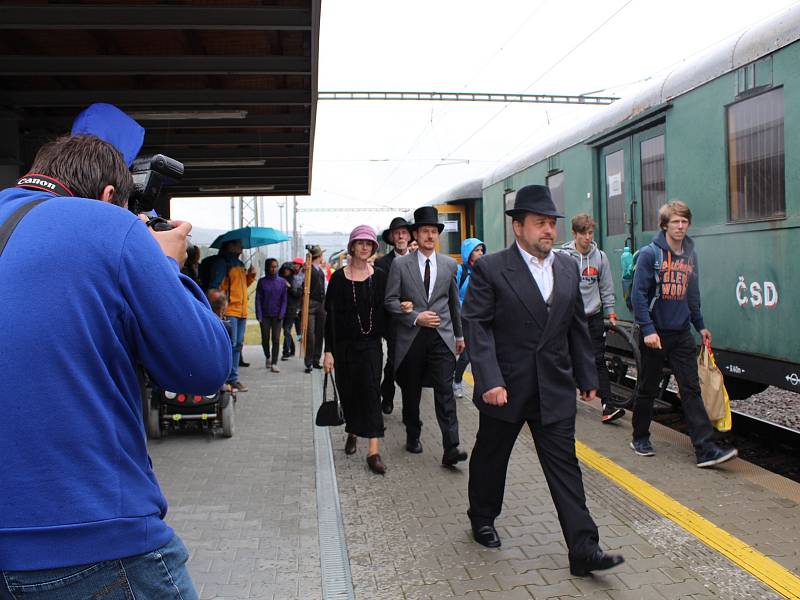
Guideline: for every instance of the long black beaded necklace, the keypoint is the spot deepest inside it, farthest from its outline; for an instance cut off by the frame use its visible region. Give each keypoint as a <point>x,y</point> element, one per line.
<point>369,300</point>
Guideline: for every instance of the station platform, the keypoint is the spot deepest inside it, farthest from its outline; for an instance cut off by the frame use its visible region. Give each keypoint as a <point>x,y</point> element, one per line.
<point>279,511</point>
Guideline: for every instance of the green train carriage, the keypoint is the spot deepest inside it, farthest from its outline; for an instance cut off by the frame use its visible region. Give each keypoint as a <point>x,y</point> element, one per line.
<point>721,133</point>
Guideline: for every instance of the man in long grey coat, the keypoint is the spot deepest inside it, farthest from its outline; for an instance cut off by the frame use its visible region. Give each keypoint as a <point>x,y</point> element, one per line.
<point>428,337</point>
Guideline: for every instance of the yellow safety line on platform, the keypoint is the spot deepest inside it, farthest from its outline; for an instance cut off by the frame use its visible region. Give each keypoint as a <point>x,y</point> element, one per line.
<point>779,578</point>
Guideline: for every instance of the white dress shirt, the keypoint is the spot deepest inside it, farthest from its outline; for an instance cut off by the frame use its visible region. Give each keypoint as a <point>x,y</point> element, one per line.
<point>542,271</point>
<point>421,258</point>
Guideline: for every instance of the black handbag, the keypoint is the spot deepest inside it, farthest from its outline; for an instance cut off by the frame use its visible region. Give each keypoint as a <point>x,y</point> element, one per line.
<point>329,413</point>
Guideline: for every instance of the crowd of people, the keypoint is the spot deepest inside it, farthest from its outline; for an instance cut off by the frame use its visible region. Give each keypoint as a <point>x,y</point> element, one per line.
<point>532,320</point>
<point>84,512</point>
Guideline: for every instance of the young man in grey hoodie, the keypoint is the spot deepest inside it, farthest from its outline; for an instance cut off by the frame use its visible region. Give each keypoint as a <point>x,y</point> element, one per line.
<point>597,288</point>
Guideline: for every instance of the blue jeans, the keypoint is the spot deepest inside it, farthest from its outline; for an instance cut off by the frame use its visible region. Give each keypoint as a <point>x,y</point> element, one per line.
<point>238,327</point>
<point>157,575</point>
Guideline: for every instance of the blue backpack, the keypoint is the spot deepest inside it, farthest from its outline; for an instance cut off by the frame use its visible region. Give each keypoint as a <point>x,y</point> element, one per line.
<point>627,280</point>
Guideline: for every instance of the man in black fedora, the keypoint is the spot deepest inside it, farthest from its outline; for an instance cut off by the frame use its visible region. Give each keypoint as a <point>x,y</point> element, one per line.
<point>530,347</point>
<point>397,235</point>
<point>428,337</point>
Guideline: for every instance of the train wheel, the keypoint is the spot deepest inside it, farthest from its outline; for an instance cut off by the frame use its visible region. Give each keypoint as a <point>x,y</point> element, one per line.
<point>622,354</point>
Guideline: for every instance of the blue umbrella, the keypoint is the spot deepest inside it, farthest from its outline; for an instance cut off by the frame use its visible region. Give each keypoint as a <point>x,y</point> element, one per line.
<point>251,237</point>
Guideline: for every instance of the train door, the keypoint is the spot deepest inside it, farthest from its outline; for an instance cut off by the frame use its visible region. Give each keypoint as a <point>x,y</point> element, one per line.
<point>454,218</point>
<point>632,188</point>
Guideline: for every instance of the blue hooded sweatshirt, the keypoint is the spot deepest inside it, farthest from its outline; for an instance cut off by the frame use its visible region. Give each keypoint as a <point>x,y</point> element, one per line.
<point>462,281</point>
<point>678,305</point>
<point>87,293</point>
<point>82,305</point>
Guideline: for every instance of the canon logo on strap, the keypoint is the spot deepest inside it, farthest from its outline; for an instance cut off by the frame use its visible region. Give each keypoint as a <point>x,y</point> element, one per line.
<point>36,181</point>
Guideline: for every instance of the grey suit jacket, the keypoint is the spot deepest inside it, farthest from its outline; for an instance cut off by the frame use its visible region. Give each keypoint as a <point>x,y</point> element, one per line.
<point>515,342</point>
<point>405,283</point>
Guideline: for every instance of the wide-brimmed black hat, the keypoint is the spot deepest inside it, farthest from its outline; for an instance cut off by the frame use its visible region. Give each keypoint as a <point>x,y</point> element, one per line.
<point>397,223</point>
<point>534,199</point>
<point>426,215</point>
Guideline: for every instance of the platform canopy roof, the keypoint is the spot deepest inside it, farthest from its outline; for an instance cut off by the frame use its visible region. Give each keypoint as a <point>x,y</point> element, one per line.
<point>227,87</point>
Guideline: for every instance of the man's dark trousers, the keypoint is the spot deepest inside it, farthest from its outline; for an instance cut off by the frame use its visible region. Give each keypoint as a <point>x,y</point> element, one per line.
<point>597,331</point>
<point>679,350</point>
<point>288,341</point>
<point>429,362</point>
<point>555,447</point>
<point>316,332</point>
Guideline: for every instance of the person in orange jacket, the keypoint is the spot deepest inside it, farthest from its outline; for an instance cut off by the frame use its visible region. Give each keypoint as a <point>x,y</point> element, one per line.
<point>229,275</point>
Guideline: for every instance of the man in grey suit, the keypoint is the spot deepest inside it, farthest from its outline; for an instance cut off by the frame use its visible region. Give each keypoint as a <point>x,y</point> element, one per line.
<point>428,337</point>
<point>529,345</point>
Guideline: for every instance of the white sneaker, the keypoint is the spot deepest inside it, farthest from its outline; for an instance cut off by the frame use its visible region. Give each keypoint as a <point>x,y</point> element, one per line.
<point>275,369</point>
<point>458,390</point>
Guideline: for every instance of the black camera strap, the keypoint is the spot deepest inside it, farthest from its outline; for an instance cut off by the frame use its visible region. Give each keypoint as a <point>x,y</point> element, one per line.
<point>43,183</point>
<point>31,181</point>
<point>7,228</point>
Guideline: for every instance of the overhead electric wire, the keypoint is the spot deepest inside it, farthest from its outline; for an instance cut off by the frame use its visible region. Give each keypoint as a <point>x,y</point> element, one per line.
<point>652,75</point>
<point>429,123</point>
<point>546,72</point>
<point>498,113</point>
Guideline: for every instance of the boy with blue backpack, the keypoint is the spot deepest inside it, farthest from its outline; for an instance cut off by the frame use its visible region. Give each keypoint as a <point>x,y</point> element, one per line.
<point>666,303</point>
<point>471,250</point>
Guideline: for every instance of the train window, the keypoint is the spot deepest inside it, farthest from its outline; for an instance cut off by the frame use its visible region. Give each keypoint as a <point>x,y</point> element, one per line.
<point>556,184</point>
<point>653,187</point>
<point>615,193</point>
<point>508,199</point>
<point>755,158</point>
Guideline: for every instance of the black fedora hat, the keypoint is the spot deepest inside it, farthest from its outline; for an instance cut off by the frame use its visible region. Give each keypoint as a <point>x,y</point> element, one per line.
<point>534,199</point>
<point>426,215</point>
<point>397,223</point>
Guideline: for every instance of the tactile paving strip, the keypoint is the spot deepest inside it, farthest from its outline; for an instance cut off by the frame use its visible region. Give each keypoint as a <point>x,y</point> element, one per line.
<point>336,578</point>
<point>718,574</point>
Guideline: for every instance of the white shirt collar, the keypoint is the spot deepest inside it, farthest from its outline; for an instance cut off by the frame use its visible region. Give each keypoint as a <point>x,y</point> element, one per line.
<point>421,258</point>
<point>531,259</point>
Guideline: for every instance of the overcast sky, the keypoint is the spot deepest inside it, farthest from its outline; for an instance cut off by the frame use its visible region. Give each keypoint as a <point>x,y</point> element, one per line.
<point>402,154</point>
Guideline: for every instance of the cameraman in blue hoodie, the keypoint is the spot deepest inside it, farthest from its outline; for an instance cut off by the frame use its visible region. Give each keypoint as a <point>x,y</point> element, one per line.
<point>471,250</point>
<point>88,293</point>
<point>666,303</point>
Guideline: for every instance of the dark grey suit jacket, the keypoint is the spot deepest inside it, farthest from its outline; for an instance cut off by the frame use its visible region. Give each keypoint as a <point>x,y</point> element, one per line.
<point>514,342</point>
<point>385,262</point>
<point>405,282</point>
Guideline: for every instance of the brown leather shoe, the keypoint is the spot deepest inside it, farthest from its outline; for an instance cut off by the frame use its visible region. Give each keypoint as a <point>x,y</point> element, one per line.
<point>350,444</point>
<point>375,464</point>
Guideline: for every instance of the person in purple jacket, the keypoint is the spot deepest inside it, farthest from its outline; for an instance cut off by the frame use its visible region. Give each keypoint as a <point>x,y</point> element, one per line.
<point>81,511</point>
<point>271,294</point>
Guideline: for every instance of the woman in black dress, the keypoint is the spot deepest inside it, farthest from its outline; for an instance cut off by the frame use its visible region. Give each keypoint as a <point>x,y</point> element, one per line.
<point>353,331</point>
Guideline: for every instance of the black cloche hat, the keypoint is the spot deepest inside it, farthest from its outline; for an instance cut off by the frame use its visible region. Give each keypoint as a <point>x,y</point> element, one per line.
<point>426,215</point>
<point>534,199</point>
<point>397,223</point>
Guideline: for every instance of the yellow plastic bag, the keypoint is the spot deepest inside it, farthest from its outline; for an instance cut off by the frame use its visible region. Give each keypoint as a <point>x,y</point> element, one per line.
<point>712,388</point>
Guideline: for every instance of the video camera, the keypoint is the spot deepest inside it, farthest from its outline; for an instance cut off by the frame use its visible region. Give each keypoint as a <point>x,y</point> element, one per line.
<point>150,175</point>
